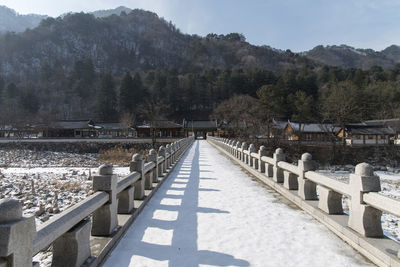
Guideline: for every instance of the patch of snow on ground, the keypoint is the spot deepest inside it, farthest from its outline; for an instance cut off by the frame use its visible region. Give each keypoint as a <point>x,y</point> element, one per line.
<point>29,158</point>
<point>223,218</point>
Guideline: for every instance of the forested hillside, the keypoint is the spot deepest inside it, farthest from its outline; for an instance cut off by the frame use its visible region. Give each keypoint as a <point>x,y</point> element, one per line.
<point>350,57</point>
<point>117,67</point>
<point>10,21</point>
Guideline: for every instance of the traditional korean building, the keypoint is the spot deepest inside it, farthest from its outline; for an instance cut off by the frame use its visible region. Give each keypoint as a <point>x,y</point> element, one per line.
<point>317,132</point>
<point>115,130</point>
<point>364,134</point>
<point>202,128</point>
<point>161,128</point>
<point>70,129</point>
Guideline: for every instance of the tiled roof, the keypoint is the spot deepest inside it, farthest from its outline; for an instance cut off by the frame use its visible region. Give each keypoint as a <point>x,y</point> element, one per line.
<point>314,127</point>
<point>369,129</point>
<point>69,125</point>
<point>160,125</point>
<point>200,125</point>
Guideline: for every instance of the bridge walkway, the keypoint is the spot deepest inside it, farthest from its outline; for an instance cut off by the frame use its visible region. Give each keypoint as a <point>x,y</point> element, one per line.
<point>211,213</point>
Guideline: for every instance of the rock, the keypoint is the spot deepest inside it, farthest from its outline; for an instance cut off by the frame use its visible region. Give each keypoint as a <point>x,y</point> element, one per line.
<point>45,218</point>
<point>40,211</point>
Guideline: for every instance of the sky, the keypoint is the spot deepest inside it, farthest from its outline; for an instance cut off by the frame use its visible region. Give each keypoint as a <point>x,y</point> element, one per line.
<point>298,25</point>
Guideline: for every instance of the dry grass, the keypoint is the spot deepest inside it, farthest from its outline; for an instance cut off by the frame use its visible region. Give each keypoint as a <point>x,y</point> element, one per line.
<point>119,155</point>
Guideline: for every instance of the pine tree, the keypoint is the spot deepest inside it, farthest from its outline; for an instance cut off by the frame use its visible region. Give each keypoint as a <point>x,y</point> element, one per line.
<point>107,101</point>
<point>126,100</point>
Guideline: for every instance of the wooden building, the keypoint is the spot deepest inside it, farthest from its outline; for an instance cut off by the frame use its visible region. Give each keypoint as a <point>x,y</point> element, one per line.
<point>160,128</point>
<point>202,128</point>
<point>363,134</point>
<point>70,129</point>
<point>115,130</point>
<point>316,132</point>
<point>277,129</point>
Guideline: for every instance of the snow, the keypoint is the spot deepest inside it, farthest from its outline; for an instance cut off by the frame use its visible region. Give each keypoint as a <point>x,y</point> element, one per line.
<point>210,213</point>
<point>388,176</point>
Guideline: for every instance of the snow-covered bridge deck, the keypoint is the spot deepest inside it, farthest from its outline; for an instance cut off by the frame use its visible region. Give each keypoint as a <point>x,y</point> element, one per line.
<point>209,212</point>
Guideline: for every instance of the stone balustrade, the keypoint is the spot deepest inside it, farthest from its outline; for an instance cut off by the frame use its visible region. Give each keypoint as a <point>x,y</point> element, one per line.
<point>322,196</point>
<point>86,232</point>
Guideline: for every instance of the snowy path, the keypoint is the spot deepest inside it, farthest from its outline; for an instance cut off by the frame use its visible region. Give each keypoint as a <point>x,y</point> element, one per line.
<point>210,213</point>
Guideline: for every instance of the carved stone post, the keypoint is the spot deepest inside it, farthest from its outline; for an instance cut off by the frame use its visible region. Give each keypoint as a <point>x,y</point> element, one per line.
<point>161,152</point>
<point>73,247</point>
<point>153,158</point>
<point>245,146</point>
<point>237,153</point>
<point>174,151</point>
<point>137,165</point>
<point>168,152</point>
<point>262,152</point>
<point>329,200</point>
<point>252,149</point>
<point>290,180</point>
<point>307,188</point>
<point>277,171</point>
<point>364,219</point>
<point>105,218</point>
<point>126,200</point>
<point>16,234</point>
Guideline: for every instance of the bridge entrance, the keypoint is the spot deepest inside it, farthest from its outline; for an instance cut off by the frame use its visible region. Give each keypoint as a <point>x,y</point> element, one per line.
<point>200,128</point>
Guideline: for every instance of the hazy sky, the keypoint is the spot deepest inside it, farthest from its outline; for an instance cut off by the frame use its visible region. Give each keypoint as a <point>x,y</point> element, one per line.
<point>285,24</point>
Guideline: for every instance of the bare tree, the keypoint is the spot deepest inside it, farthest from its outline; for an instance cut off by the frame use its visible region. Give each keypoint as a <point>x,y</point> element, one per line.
<point>341,104</point>
<point>242,114</point>
<point>128,121</point>
<point>153,111</point>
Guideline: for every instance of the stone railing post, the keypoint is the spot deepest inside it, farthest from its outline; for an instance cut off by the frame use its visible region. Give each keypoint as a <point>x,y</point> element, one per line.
<point>137,165</point>
<point>153,158</point>
<point>307,188</point>
<point>237,146</point>
<point>174,151</point>
<point>364,219</point>
<point>16,235</point>
<point>262,152</point>
<point>245,146</point>
<point>329,200</point>
<point>168,151</point>
<point>290,180</point>
<point>73,247</point>
<point>252,149</point>
<point>277,171</point>
<point>105,218</point>
<point>230,146</point>
<point>178,148</point>
<point>161,152</point>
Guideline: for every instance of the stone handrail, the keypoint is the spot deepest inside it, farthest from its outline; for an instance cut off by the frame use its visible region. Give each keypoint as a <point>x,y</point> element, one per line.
<point>126,181</point>
<point>70,231</point>
<point>61,223</point>
<point>301,184</point>
<point>383,203</point>
<point>328,182</point>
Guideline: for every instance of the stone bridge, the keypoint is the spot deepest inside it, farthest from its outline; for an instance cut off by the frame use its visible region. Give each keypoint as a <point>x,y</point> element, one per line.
<point>217,202</point>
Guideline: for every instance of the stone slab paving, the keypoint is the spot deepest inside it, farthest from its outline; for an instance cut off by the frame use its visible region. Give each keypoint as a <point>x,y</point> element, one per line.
<point>211,213</point>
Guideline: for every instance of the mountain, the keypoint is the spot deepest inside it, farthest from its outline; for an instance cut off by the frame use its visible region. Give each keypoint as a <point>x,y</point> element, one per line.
<point>116,11</point>
<point>121,40</point>
<point>137,40</point>
<point>350,57</point>
<point>12,21</point>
